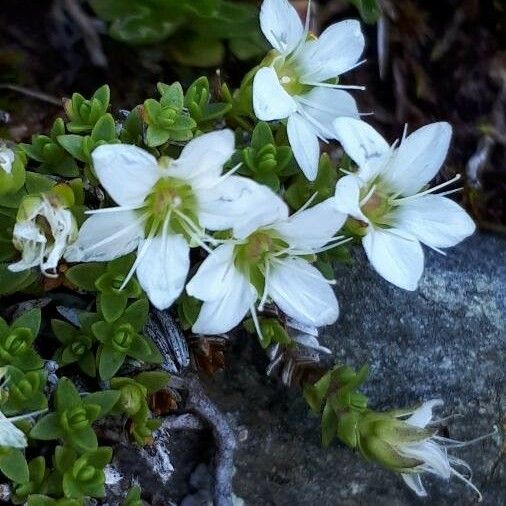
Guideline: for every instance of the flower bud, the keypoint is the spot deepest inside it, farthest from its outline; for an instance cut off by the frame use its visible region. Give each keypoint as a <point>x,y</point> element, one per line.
<point>12,170</point>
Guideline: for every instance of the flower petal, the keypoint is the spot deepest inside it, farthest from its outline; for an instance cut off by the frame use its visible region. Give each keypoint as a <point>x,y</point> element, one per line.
<point>336,51</point>
<point>202,159</point>
<point>163,269</point>
<point>324,105</point>
<point>225,313</point>
<point>107,236</point>
<point>347,197</point>
<point>423,415</point>
<point>10,435</point>
<point>363,144</point>
<point>396,257</point>
<point>305,145</point>
<point>241,204</point>
<point>418,158</point>
<point>211,279</point>
<point>126,172</point>
<point>414,482</point>
<point>281,25</point>
<point>436,221</point>
<point>301,291</point>
<point>270,100</point>
<point>312,228</point>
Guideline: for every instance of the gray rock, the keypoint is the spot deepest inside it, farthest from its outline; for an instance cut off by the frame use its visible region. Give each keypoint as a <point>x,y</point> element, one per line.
<point>445,340</point>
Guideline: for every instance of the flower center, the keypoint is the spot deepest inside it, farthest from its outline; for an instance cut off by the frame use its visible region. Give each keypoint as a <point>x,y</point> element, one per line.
<point>170,199</point>
<point>289,77</point>
<point>376,204</point>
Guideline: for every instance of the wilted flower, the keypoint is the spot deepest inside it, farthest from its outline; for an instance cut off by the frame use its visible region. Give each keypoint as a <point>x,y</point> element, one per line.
<point>295,81</point>
<point>268,261</point>
<point>163,207</point>
<point>411,447</point>
<point>387,197</point>
<point>44,229</point>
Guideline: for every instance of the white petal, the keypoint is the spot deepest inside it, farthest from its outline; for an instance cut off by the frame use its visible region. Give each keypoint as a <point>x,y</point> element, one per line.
<point>434,220</point>
<point>337,50</point>
<point>422,416</point>
<point>241,204</point>
<point>414,482</point>
<point>363,144</point>
<point>347,197</point>
<point>270,100</point>
<point>281,25</point>
<point>305,145</point>
<point>126,172</point>
<point>225,313</point>
<point>395,257</point>
<point>312,228</point>
<point>202,159</point>
<point>163,269</point>
<point>418,158</point>
<point>106,236</point>
<point>210,280</point>
<point>431,454</point>
<point>324,105</point>
<point>301,291</point>
<point>10,435</point>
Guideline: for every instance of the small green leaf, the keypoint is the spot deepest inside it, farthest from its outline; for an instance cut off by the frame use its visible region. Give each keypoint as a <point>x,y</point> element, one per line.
<point>84,275</point>
<point>30,320</point>
<point>13,465</point>
<point>47,428</point>
<point>105,399</point>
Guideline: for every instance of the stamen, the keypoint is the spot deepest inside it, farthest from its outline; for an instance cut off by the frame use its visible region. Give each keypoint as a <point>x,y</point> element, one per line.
<point>426,192</point>
<point>254,317</point>
<point>222,178</point>
<point>453,443</point>
<point>334,86</point>
<point>317,124</point>
<point>140,254</point>
<point>305,206</point>
<point>370,193</point>
<point>467,482</point>
<point>105,210</point>
<point>27,415</point>
<point>114,236</point>
<point>194,231</point>
<point>266,273</point>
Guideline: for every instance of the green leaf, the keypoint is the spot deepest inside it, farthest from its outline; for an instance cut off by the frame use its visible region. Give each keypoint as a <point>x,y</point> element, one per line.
<point>30,320</point>
<point>172,96</point>
<point>153,380</point>
<point>106,400</point>
<point>198,51</point>
<point>370,10</point>
<point>112,305</point>
<point>141,350</point>
<point>329,425</point>
<point>67,396</point>
<point>47,428</point>
<point>11,282</point>
<point>74,145</point>
<point>83,440</point>
<point>64,458</point>
<point>137,314</point>
<point>105,129</point>
<point>13,465</point>
<point>84,275</point>
<point>109,362</point>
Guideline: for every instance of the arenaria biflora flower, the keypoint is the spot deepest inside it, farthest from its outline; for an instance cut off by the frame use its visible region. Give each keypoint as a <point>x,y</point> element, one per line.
<point>388,197</point>
<point>44,229</point>
<point>431,452</point>
<point>298,79</point>
<point>163,207</point>
<point>267,260</point>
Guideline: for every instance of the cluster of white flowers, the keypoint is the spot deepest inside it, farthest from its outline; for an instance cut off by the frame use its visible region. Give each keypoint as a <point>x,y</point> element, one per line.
<point>167,206</point>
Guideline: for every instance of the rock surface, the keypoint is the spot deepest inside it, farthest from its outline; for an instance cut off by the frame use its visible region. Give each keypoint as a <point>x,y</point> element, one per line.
<point>445,340</point>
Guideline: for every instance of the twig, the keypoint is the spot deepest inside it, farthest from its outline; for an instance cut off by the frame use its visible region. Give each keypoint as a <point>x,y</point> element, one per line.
<point>200,404</point>
<point>39,95</point>
<point>88,31</point>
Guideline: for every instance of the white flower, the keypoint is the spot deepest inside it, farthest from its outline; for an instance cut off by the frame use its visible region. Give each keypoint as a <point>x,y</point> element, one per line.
<point>10,435</point>
<point>266,261</point>
<point>431,452</point>
<point>387,196</point>
<point>7,157</point>
<point>163,207</point>
<point>43,230</point>
<point>295,84</point>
